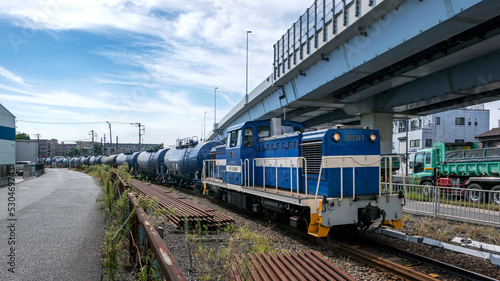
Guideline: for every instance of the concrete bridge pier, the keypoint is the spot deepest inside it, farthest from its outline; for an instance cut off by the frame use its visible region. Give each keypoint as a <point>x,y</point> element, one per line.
<point>383,123</point>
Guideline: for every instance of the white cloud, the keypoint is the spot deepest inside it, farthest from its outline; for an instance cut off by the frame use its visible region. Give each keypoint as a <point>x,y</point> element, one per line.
<point>11,76</point>
<point>197,44</point>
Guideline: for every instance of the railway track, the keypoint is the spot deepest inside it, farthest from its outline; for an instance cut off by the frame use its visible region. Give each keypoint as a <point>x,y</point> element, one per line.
<point>275,266</point>
<point>304,266</point>
<point>389,266</point>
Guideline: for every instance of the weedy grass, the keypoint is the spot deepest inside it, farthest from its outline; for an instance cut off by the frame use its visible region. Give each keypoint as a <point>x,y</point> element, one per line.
<point>445,230</point>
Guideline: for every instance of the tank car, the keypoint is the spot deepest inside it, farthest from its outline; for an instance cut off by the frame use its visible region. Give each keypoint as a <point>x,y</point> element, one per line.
<point>313,181</point>
<point>109,160</point>
<point>151,163</point>
<point>92,160</point>
<point>120,159</point>
<point>132,161</point>
<point>185,162</point>
<point>97,160</point>
<point>71,162</point>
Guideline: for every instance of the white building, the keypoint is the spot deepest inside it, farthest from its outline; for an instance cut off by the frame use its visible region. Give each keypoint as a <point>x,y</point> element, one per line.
<point>454,126</point>
<point>7,142</point>
<point>27,150</point>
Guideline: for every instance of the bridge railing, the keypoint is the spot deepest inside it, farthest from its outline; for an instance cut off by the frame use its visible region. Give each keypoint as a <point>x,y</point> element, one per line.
<point>319,24</point>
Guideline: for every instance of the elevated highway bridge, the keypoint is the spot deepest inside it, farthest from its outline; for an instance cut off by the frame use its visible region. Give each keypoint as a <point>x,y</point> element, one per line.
<point>367,62</point>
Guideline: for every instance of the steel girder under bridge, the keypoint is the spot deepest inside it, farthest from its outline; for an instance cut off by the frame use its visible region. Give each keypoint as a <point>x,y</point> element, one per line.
<point>347,59</point>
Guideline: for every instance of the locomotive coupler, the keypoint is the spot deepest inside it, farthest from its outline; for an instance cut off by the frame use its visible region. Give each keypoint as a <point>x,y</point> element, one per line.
<point>368,214</point>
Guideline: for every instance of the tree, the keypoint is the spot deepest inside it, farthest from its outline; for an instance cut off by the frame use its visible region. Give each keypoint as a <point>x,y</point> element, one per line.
<point>73,152</point>
<point>22,136</point>
<point>97,149</point>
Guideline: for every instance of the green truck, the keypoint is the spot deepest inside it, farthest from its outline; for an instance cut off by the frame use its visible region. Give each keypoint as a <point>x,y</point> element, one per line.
<point>464,166</point>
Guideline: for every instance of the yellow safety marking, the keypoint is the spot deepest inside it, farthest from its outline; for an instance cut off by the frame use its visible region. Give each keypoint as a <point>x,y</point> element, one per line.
<point>204,187</point>
<point>428,168</point>
<point>316,228</point>
<point>396,224</point>
<point>433,275</point>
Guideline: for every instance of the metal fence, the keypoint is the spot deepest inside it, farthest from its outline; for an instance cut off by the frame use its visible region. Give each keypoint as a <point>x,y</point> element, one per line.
<point>469,205</point>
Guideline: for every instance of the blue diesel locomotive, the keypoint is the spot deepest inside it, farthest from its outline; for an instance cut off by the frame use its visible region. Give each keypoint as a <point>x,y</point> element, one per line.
<point>314,180</point>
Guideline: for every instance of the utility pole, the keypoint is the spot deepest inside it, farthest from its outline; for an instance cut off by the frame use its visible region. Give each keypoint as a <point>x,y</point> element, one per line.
<point>142,130</point>
<point>117,145</point>
<point>103,147</point>
<point>110,138</point>
<point>92,134</point>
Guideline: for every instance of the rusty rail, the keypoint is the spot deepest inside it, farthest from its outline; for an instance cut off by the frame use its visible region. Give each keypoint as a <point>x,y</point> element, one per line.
<point>304,266</point>
<point>384,264</point>
<point>169,268</point>
<point>178,209</point>
<point>122,185</point>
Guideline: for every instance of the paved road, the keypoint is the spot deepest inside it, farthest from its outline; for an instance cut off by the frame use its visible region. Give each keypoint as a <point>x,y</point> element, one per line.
<point>58,230</point>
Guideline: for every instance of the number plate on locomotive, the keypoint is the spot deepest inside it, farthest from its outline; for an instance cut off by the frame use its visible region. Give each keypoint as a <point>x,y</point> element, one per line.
<point>354,137</point>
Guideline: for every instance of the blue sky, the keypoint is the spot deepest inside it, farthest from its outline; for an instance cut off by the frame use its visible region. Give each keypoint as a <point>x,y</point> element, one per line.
<point>154,62</point>
<point>151,61</point>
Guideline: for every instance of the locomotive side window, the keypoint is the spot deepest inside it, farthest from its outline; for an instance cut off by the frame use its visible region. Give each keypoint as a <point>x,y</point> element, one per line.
<point>263,131</point>
<point>287,129</point>
<point>234,139</point>
<point>248,138</point>
<point>238,138</point>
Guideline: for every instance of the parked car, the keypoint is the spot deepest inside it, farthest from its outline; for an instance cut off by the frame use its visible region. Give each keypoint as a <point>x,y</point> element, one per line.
<point>19,166</point>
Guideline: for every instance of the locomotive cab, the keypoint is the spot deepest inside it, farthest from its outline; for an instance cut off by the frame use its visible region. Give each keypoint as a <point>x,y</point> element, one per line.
<point>249,141</point>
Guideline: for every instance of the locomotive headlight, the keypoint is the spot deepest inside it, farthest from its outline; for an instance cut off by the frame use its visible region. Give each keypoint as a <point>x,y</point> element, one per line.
<point>373,137</point>
<point>336,137</point>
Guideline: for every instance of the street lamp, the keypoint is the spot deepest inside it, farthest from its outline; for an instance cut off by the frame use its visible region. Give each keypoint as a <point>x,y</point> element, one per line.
<point>204,125</point>
<point>110,138</point>
<point>246,92</point>
<point>215,108</point>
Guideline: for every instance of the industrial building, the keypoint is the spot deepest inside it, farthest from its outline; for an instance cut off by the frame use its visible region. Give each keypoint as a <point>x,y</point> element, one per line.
<point>7,142</point>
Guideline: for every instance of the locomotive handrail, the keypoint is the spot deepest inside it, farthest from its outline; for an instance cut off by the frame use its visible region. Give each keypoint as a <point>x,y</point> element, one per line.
<point>276,171</point>
<point>390,183</point>
<point>245,169</point>
<point>341,176</point>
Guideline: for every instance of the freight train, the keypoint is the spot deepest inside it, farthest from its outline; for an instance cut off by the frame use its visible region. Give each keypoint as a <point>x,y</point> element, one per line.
<point>312,180</point>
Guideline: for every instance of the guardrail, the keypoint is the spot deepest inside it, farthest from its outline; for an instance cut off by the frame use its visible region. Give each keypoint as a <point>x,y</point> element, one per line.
<point>145,237</point>
<point>469,205</point>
